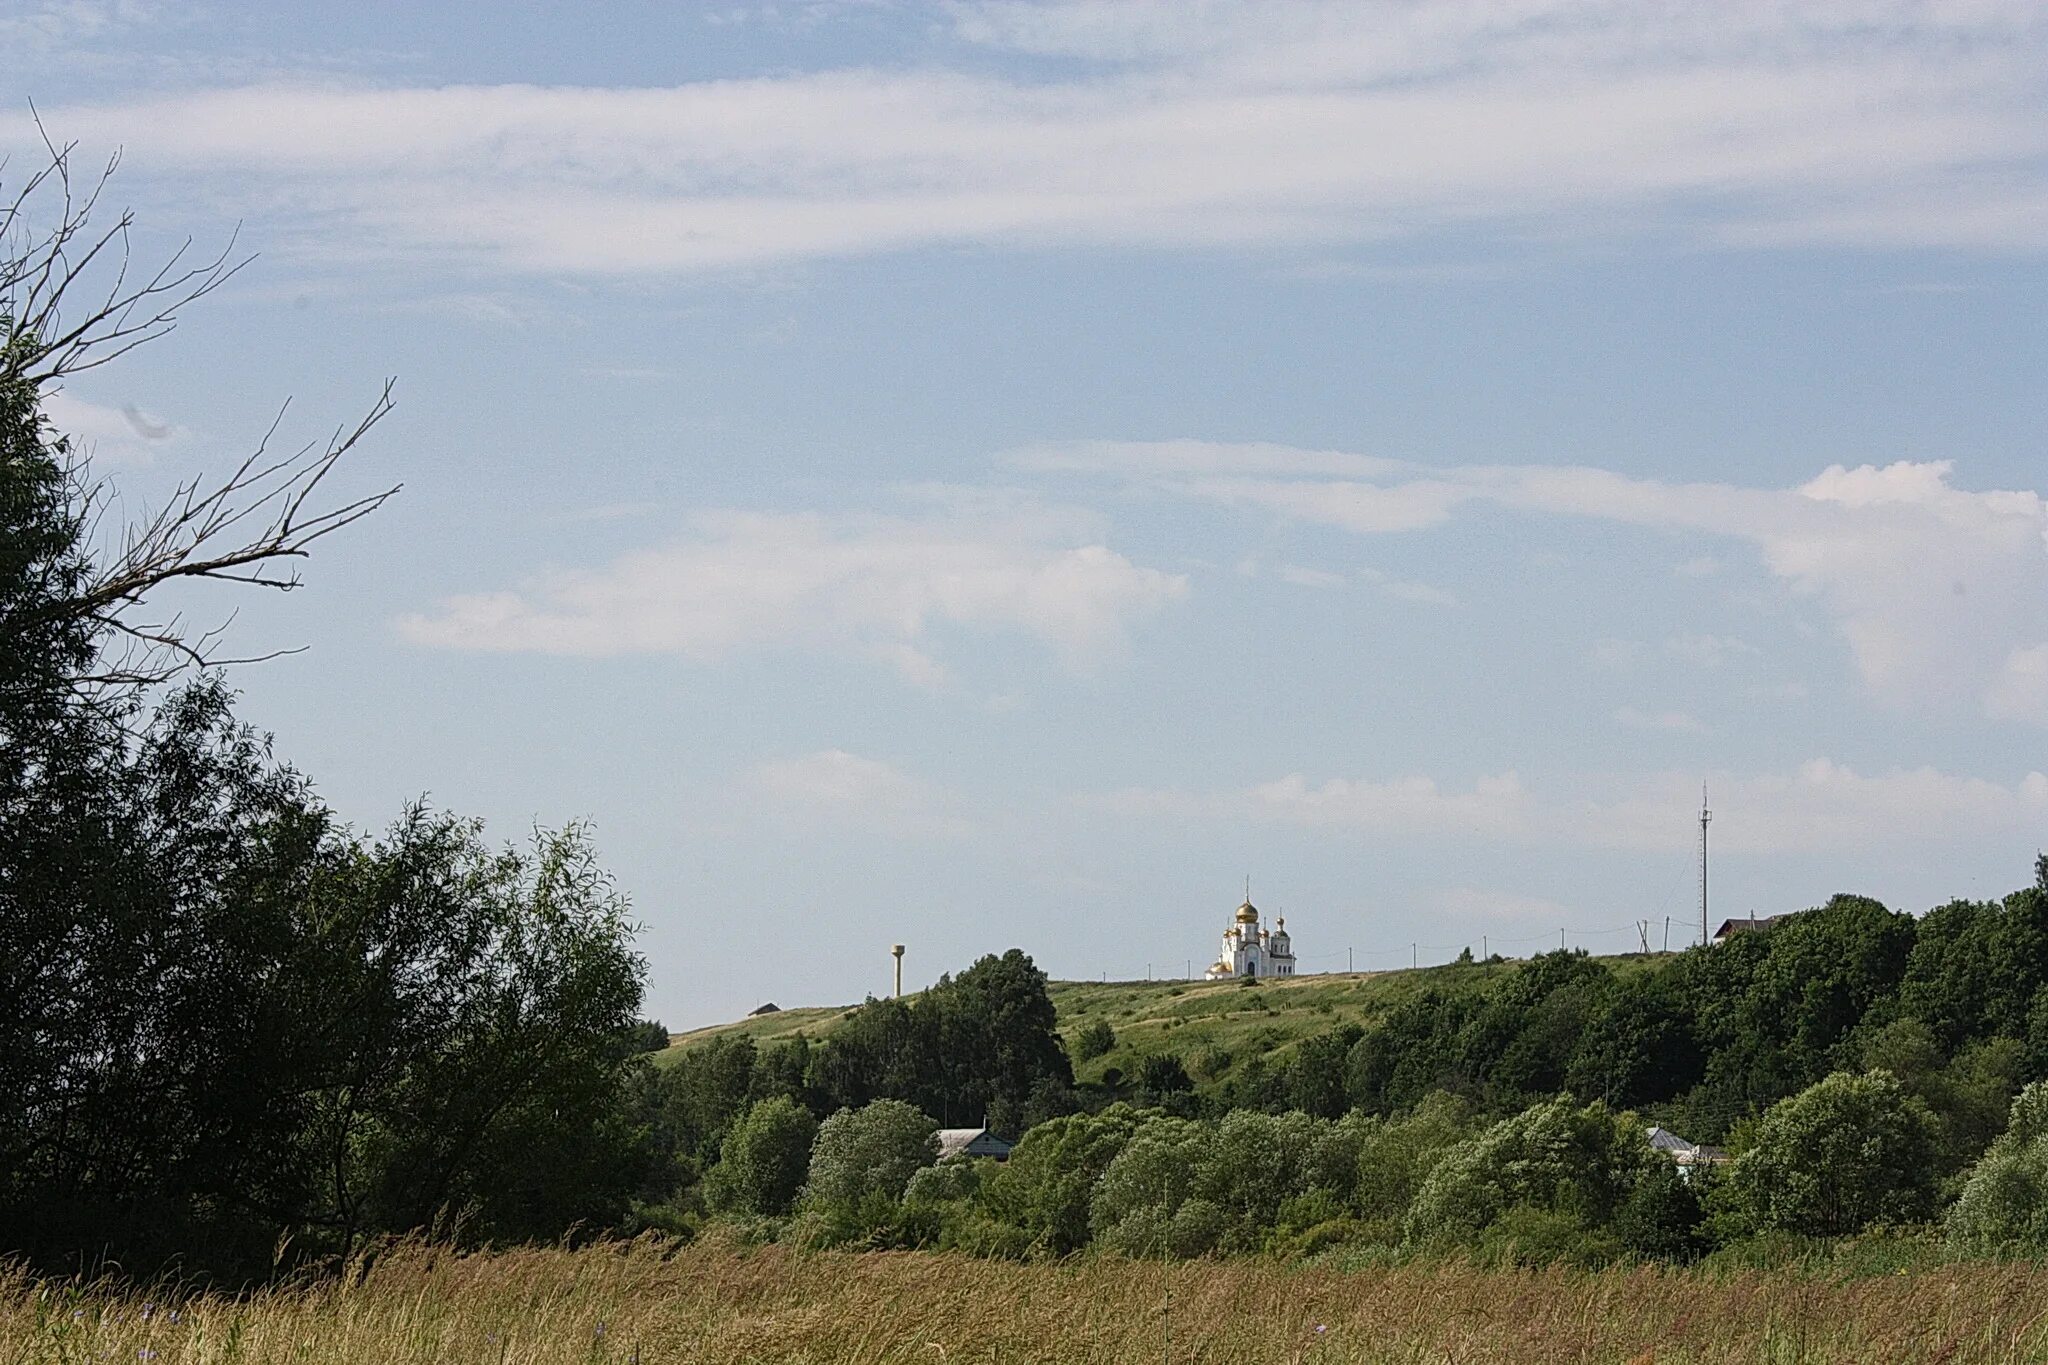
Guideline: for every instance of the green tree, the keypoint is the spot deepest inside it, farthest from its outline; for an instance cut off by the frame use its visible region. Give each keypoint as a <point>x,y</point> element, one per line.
<point>765,1159</point>
<point>1395,1158</point>
<point>868,1152</point>
<point>2004,1203</point>
<point>974,1048</point>
<point>1161,1074</point>
<point>1662,1216</point>
<point>1045,1186</point>
<point>465,1005</point>
<point>1095,1038</point>
<point>1145,1204</point>
<point>1580,1163</point>
<point>1846,1152</point>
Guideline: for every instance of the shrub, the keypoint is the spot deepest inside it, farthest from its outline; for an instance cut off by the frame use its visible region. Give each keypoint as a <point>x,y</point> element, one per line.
<point>868,1152</point>
<point>1661,1218</point>
<point>1844,1153</point>
<point>1394,1158</point>
<point>1094,1039</point>
<point>951,1181</point>
<point>1043,1190</point>
<point>1583,1163</point>
<point>1144,1187</point>
<point>764,1160</point>
<point>2004,1204</point>
<point>1161,1073</point>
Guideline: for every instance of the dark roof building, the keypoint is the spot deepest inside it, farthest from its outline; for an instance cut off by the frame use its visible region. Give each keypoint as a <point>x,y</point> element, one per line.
<point>1731,927</point>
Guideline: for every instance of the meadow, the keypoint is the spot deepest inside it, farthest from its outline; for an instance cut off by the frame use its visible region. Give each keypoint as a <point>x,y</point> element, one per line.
<point>714,1303</point>
<point>1188,1018</point>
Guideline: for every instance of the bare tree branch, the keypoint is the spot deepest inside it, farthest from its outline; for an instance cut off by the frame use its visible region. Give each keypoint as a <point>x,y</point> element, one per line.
<point>71,302</point>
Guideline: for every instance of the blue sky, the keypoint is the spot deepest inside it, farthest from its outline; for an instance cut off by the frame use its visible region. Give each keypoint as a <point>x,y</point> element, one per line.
<point>995,474</point>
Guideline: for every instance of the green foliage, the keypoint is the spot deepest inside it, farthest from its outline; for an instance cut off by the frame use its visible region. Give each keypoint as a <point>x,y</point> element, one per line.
<point>1662,1218</point>
<point>230,1028</point>
<point>2004,1204</point>
<point>1397,1156</point>
<point>1045,1187</point>
<point>952,1181</point>
<point>1140,1203</point>
<point>1161,1073</point>
<point>869,1153</point>
<point>1847,1152</point>
<point>980,1046</point>
<point>764,1159</point>
<point>1095,1038</point>
<point>1581,1163</point>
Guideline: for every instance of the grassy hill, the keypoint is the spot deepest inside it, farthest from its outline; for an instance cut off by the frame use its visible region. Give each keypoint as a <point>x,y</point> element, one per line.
<point>1212,1026</point>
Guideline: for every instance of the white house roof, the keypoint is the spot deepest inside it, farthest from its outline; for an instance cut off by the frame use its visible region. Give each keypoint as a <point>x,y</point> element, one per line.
<point>972,1142</point>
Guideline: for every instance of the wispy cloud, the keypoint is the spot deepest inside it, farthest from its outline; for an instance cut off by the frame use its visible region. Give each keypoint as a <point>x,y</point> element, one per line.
<point>1300,124</point>
<point>1940,592</point>
<point>881,585</point>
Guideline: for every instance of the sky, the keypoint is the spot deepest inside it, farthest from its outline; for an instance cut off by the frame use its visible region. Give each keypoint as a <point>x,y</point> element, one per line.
<point>996,474</point>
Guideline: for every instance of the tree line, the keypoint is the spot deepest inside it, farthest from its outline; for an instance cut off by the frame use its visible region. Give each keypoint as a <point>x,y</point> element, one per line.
<point>1863,1069</point>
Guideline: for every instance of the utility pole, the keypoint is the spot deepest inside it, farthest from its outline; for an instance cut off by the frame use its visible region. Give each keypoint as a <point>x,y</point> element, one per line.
<point>1706,818</point>
<point>1483,954</point>
<point>1347,961</point>
<point>896,951</point>
<point>1667,933</point>
<point>1560,940</point>
<point>1414,955</point>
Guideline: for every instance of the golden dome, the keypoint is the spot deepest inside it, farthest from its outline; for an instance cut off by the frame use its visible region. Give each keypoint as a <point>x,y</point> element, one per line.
<point>1247,914</point>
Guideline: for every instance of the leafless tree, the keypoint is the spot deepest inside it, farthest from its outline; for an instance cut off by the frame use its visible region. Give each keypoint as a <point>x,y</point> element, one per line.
<point>72,298</point>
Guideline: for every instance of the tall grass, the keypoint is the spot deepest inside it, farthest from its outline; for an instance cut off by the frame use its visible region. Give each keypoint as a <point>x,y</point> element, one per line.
<point>712,1303</point>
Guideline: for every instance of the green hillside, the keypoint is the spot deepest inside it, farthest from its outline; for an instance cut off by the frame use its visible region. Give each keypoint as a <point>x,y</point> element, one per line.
<point>1213,1026</point>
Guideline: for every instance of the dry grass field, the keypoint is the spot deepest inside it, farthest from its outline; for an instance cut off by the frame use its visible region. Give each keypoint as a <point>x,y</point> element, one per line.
<point>714,1304</point>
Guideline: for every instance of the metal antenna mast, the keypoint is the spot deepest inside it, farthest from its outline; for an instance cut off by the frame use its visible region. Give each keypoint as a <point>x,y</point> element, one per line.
<point>1706,818</point>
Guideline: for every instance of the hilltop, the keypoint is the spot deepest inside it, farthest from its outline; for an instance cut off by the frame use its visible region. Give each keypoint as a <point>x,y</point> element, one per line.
<point>1214,1027</point>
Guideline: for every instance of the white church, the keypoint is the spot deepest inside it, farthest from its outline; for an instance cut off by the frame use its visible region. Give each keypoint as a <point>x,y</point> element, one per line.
<point>1249,950</point>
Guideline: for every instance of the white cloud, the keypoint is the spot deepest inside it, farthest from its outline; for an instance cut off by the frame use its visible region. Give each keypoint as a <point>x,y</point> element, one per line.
<point>1189,458</point>
<point>1493,805</point>
<point>834,787</point>
<point>1938,591</point>
<point>1678,722</point>
<point>1363,507</point>
<point>883,585</point>
<point>1876,121</point>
